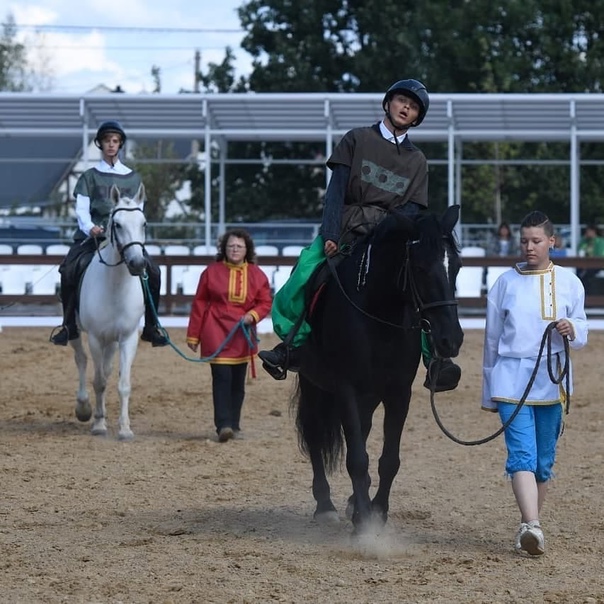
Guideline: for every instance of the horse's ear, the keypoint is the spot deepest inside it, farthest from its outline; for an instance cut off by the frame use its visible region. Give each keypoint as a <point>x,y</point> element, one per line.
<point>114,194</point>
<point>450,218</point>
<point>140,194</point>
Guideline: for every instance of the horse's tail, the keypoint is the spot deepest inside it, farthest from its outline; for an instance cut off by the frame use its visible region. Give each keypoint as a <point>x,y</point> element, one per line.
<point>318,423</point>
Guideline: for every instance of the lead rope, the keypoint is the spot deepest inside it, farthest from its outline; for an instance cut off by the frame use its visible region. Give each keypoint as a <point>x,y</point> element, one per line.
<point>249,333</point>
<point>565,374</point>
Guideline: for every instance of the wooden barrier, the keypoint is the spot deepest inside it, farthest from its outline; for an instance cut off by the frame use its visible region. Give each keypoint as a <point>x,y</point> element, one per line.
<point>170,301</point>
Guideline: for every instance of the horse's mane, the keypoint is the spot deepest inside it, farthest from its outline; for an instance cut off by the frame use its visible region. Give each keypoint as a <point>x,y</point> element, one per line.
<point>426,225</point>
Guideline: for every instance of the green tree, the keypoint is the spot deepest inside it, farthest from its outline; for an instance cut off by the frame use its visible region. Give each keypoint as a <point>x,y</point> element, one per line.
<point>156,162</point>
<point>263,190</point>
<point>453,46</point>
<point>14,71</point>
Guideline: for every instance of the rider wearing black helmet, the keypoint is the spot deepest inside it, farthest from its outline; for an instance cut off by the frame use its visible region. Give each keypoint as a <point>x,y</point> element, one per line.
<point>410,88</point>
<point>93,207</point>
<point>110,127</point>
<point>375,169</point>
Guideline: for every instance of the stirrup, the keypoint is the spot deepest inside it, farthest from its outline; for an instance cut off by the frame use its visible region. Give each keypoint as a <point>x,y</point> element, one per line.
<point>155,335</point>
<point>275,372</point>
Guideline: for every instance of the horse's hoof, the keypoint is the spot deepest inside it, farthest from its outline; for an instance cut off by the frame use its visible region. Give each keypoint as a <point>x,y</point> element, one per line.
<point>327,518</point>
<point>125,436</point>
<point>98,431</point>
<point>349,510</point>
<point>83,411</point>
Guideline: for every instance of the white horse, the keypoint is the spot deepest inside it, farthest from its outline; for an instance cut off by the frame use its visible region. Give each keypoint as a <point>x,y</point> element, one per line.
<point>110,310</point>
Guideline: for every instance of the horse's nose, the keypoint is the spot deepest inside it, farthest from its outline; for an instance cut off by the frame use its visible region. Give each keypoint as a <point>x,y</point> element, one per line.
<point>137,265</point>
<point>454,344</point>
<point>448,345</point>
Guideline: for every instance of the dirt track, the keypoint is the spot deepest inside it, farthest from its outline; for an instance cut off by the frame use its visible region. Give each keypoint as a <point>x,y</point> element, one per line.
<point>175,516</point>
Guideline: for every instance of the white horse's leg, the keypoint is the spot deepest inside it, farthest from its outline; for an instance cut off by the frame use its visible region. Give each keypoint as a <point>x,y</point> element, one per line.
<point>99,352</point>
<point>128,349</point>
<point>83,409</point>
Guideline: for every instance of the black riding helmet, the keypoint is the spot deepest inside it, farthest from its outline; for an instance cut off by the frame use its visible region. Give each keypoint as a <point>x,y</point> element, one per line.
<point>109,127</point>
<point>416,90</point>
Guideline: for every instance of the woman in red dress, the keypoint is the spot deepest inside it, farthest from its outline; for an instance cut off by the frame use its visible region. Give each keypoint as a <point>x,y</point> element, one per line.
<point>231,289</point>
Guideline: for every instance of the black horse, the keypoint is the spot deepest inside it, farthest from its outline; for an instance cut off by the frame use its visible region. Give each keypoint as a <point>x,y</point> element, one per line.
<point>365,348</point>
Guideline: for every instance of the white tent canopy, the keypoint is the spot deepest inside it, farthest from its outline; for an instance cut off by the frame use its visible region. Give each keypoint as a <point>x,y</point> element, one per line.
<point>324,117</point>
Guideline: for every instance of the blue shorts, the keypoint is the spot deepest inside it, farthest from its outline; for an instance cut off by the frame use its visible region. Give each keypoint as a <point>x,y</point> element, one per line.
<point>532,437</point>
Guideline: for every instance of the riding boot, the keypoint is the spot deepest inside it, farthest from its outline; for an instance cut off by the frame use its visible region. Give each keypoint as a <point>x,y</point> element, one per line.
<point>281,358</point>
<point>69,329</point>
<point>442,376</point>
<point>151,331</point>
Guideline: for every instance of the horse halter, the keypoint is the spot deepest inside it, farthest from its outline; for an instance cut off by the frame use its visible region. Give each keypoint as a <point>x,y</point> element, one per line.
<point>115,240</point>
<point>409,279</point>
<point>420,305</point>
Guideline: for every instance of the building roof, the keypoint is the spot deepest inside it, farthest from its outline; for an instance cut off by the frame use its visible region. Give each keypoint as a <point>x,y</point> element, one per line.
<point>31,167</point>
<point>303,116</point>
<point>42,134</point>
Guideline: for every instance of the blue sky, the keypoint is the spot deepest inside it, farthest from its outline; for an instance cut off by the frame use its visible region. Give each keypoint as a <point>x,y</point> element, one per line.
<point>76,44</point>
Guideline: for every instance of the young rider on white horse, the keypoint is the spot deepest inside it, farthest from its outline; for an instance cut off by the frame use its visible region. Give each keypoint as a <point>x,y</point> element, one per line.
<point>93,208</point>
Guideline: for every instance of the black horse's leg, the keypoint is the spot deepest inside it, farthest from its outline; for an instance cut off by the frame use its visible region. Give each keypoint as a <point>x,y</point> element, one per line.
<point>325,512</point>
<point>319,428</point>
<point>396,407</point>
<point>357,459</point>
<point>366,416</point>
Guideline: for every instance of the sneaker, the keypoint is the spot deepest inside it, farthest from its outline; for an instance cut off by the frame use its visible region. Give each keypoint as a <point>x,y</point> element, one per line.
<point>447,379</point>
<point>225,434</point>
<point>521,530</point>
<point>64,335</point>
<point>155,336</point>
<point>530,538</point>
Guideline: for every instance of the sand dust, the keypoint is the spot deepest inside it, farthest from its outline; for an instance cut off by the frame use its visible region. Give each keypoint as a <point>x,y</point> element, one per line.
<point>176,517</point>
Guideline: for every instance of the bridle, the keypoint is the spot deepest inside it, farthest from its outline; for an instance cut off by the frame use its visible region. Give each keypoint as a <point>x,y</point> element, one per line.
<point>408,281</point>
<point>114,240</point>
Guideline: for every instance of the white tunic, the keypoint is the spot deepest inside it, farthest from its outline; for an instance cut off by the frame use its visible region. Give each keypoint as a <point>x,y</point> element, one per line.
<point>520,305</point>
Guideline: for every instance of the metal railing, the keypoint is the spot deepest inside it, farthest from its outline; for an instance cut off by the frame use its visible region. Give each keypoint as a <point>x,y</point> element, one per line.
<point>177,303</point>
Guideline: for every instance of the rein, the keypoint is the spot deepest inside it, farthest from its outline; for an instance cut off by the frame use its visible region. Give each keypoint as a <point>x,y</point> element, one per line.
<point>564,374</point>
<point>113,238</point>
<point>249,333</point>
<point>408,280</point>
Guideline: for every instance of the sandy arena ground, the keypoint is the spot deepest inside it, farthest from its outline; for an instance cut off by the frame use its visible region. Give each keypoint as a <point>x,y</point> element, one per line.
<point>176,517</point>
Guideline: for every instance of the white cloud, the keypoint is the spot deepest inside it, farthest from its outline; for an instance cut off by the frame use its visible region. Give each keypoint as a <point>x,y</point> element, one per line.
<point>82,59</point>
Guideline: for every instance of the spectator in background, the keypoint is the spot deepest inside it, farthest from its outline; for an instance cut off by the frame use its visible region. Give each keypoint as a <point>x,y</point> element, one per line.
<point>503,242</point>
<point>558,250</point>
<point>590,246</point>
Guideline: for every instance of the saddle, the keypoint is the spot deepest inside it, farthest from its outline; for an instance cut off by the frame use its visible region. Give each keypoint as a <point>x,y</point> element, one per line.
<point>320,277</point>
<point>74,266</point>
